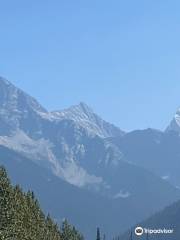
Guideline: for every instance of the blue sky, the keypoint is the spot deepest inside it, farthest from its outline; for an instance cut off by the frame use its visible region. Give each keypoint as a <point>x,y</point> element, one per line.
<point>120,57</point>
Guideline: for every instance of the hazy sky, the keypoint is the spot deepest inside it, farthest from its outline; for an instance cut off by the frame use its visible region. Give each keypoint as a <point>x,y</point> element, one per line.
<point>120,57</point>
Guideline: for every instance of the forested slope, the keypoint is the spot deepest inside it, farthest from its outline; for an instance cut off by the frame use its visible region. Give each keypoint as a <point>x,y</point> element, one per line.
<point>21,217</point>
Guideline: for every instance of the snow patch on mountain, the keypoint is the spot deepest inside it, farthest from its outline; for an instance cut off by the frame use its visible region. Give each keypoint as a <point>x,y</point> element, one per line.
<point>165,177</point>
<point>175,123</point>
<point>122,194</point>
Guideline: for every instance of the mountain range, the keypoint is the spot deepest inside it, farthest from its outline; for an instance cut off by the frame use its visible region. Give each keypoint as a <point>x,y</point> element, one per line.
<point>84,168</point>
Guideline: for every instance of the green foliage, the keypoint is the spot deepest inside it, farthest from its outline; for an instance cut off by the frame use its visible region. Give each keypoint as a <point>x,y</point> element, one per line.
<point>69,232</point>
<point>22,219</point>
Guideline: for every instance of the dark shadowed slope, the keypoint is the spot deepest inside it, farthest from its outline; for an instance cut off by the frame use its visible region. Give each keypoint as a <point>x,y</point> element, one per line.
<point>169,218</point>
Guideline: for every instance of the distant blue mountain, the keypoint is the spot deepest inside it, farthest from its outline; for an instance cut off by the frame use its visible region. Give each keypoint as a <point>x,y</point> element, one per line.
<point>168,219</point>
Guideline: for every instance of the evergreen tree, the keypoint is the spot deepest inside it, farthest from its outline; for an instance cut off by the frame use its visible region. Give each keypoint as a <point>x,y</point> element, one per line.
<point>69,232</point>
<point>6,206</point>
<point>98,236</point>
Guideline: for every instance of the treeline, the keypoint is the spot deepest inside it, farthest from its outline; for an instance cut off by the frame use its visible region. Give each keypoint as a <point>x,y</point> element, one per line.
<point>21,217</point>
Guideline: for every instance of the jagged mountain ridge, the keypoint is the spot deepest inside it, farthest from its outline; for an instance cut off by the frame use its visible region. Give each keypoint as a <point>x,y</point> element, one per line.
<point>25,124</point>
<point>84,116</point>
<point>16,105</point>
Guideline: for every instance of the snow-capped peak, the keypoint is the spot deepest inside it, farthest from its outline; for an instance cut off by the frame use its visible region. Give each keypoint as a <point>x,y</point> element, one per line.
<point>85,108</point>
<point>82,109</point>
<point>175,123</point>
<point>12,98</point>
<point>84,117</point>
<point>18,108</point>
